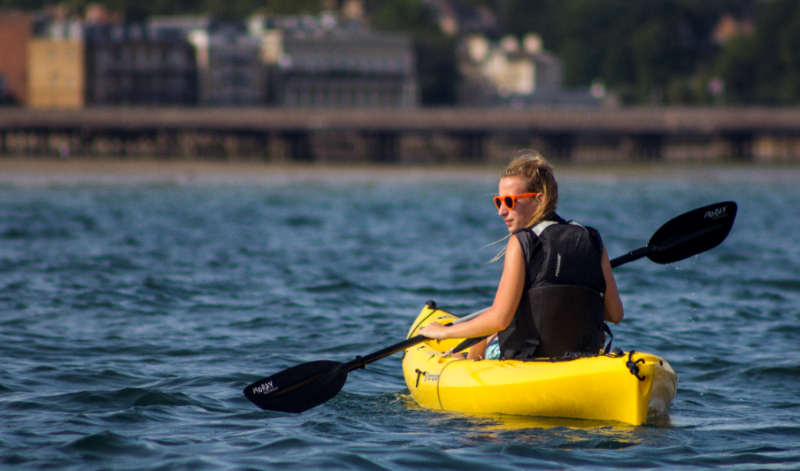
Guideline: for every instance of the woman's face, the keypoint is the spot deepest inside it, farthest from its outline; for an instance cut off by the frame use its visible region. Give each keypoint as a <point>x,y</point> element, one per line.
<point>517,218</point>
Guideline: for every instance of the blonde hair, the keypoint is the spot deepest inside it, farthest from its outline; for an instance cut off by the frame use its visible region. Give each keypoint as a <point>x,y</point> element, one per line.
<point>538,177</point>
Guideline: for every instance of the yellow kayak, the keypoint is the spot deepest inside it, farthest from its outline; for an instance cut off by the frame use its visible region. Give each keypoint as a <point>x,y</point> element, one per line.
<point>626,387</point>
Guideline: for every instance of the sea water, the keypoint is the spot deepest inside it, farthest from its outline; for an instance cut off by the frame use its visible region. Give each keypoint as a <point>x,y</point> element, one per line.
<point>133,313</point>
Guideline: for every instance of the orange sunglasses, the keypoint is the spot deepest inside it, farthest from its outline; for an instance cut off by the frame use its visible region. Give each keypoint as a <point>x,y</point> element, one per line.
<point>511,200</point>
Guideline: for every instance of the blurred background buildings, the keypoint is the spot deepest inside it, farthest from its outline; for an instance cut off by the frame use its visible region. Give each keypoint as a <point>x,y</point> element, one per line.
<point>439,68</point>
<point>51,59</point>
<point>62,57</point>
<point>400,53</point>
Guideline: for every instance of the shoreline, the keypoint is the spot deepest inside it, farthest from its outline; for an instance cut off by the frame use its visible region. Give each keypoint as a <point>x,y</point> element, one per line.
<point>37,172</point>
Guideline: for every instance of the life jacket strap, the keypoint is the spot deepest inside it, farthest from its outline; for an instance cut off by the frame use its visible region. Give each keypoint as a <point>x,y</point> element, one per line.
<point>607,330</point>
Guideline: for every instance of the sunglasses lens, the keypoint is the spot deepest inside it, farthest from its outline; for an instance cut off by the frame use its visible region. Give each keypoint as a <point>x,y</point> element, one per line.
<point>497,201</point>
<point>509,201</point>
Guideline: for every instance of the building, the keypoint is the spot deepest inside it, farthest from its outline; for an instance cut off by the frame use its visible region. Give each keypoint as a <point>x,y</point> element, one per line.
<point>230,68</point>
<point>56,67</point>
<point>316,62</point>
<point>507,73</point>
<point>229,62</point>
<point>136,65</point>
<point>495,72</point>
<point>15,33</point>
<point>348,70</point>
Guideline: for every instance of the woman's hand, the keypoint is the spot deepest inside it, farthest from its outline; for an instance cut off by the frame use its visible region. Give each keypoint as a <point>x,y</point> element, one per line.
<point>434,330</point>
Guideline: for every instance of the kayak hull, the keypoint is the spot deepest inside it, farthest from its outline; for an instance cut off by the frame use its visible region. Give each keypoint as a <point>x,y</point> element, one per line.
<point>601,387</point>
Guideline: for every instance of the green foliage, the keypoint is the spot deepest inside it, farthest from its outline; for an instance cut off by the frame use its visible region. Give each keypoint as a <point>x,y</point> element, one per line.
<point>765,68</point>
<point>638,48</point>
<point>437,73</point>
<point>21,4</point>
<point>404,15</point>
<point>646,51</point>
<point>291,7</point>
<point>534,16</point>
<point>137,10</point>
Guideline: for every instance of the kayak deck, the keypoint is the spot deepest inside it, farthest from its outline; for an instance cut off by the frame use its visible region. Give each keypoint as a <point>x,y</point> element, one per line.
<point>602,387</point>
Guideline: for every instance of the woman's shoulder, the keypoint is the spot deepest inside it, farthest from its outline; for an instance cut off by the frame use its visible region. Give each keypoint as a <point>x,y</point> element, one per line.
<point>528,242</point>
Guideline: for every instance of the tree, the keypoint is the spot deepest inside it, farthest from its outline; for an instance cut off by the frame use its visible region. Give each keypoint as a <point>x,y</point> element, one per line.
<point>765,68</point>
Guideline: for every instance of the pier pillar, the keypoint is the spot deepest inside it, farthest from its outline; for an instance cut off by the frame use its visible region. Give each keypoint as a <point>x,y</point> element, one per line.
<point>166,144</point>
<point>555,146</point>
<point>249,145</point>
<point>276,148</point>
<point>737,146</point>
<point>382,146</point>
<point>231,146</point>
<point>40,142</point>
<point>210,145</point>
<point>470,146</point>
<point>85,140</point>
<point>297,146</point>
<point>644,147</point>
<point>263,142</point>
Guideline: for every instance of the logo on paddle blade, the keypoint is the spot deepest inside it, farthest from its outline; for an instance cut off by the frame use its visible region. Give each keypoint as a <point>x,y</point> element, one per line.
<point>716,213</point>
<point>264,388</point>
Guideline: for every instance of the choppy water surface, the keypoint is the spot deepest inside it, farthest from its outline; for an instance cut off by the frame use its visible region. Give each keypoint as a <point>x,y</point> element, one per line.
<point>133,314</point>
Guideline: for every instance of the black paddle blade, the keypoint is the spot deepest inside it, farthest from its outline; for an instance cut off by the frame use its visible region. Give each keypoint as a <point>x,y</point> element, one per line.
<point>691,233</point>
<point>298,388</point>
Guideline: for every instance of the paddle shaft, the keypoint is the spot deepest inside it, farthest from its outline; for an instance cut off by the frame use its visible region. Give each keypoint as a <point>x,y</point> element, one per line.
<point>631,256</point>
<point>361,362</point>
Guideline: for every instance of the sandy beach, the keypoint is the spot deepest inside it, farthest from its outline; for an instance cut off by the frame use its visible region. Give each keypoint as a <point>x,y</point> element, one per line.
<point>26,172</point>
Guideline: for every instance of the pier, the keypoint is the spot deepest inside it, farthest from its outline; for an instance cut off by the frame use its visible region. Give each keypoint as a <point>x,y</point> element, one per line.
<point>404,136</point>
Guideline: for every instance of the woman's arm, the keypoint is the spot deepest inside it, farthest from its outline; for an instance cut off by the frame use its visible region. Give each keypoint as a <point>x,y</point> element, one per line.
<point>499,316</point>
<point>611,299</point>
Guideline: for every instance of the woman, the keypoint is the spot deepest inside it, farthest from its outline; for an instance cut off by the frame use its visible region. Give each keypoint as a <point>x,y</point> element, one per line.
<point>557,287</point>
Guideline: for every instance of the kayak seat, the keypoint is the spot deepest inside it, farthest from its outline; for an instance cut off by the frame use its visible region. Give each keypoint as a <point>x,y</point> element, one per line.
<point>562,320</point>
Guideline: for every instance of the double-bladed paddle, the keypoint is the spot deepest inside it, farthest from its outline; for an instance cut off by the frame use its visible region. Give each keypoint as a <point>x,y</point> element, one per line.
<point>686,235</point>
<point>308,385</point>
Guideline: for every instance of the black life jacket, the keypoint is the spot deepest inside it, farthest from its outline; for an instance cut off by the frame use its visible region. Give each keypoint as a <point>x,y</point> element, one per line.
<point>561,310</point>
